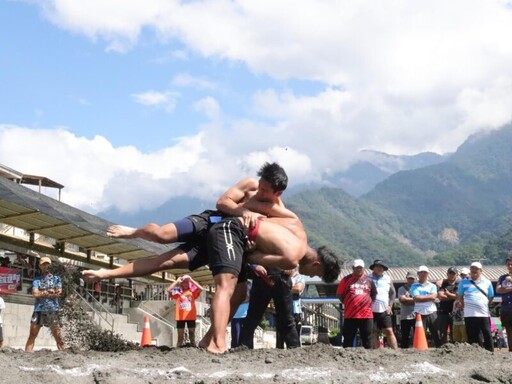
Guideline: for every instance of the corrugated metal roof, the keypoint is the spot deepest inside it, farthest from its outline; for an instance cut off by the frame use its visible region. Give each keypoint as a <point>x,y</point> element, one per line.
<point>24,208</point>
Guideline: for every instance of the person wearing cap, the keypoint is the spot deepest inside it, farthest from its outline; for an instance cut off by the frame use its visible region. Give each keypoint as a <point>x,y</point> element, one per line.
<point>475,294</point>
<point>464,273</point>
<point>504,288</point>
<point>424,294</point>
<point>447,293</point>
<point>407,320</point>
<point>47,289</point>
<point>382,306</point>
<point>185,291</point>
<point>459,334</point>
<point>357,291</point>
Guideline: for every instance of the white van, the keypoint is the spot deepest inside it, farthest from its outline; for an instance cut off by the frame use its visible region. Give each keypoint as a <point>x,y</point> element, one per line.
<point>308,335</point>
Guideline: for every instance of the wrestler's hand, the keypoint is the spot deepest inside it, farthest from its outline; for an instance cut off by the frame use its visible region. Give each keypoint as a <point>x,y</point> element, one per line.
<point>250,245</point>
<point>259,270</point>
<point>250,219</point>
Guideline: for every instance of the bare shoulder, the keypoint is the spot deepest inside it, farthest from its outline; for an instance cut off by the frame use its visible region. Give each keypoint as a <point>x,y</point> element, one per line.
<point>247,184</point>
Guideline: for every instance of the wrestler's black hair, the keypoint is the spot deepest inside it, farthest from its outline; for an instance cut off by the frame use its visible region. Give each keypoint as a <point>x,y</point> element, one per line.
<point>275,175</point>
<point>331,263</point>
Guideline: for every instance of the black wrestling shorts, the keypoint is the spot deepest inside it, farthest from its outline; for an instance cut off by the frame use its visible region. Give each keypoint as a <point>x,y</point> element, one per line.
<point>226,242</point>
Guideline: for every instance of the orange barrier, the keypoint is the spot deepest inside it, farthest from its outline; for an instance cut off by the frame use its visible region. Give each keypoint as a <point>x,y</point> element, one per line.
<point>146,333</point>
<point>420,339</point>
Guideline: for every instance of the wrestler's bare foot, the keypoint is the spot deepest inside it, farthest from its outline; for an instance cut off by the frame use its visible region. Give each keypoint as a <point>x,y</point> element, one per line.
<point>120,231</point>
<point>95,275</point>
<point>205,341</point>
<point>215,350</point>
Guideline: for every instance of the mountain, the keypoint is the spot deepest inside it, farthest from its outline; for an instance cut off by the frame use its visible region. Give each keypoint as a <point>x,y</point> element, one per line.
<point>452,207</point>
<point>353,228</point>
<point>374,167</point>
<point>464,199</point>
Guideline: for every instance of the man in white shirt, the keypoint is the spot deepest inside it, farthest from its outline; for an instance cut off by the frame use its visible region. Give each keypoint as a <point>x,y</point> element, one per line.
<point>475,294</point>
<point>424,294</point>
<point>382,306</point>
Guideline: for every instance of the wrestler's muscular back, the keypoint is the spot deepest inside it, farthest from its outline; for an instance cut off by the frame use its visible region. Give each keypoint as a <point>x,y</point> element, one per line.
<point>280,236</point>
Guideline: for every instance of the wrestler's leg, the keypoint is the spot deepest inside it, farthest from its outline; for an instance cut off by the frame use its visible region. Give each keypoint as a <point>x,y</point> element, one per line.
<point>152,232</point>
<point>174,259</point>
<point>238,298</point>
<point>225,284</point>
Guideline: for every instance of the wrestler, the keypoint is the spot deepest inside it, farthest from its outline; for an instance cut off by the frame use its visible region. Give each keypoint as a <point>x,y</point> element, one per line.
<point>249,199</point>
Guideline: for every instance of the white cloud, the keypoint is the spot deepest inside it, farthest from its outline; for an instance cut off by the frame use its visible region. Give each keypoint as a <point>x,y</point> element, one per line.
<point>167,99</point>
<point>401,65</point>
<point>400,77</point>
<point>209,106</point>
<point>186,80</point>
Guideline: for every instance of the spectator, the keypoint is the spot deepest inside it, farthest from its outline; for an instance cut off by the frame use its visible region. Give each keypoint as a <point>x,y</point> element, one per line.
<point>297,289</point>
<point>504,288</point>
<point>28,271</point>
<point>475,294</point>
<point>382,306</point>
<point>47,289</point>
<point>357,291</point>
<point>274,285</point>
<point>185,291</point>
<point>407,320</point>
<point>116,302</point>
<point>424,294</point>
<point>464,273</point>
<point>97,290</point>
<point>238,319</point>
<point>447,293</point>
<point>2,307</point>
<point>297,286</point>
<point>502,338</point>
<point>459,334</point>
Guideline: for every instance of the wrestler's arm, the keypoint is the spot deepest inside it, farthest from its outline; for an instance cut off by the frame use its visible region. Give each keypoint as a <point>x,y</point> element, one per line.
<point>230,200</point>
<point>269,209</point>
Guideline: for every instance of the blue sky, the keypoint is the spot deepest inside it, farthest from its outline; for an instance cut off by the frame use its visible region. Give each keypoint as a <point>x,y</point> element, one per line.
<point>130,103</point>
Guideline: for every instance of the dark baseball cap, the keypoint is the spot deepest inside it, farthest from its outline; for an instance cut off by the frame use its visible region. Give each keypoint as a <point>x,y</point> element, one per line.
<point>453,270</point>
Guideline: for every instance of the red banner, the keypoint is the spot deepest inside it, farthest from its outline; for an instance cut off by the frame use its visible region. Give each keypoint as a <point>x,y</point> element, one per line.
<point>10,279</point>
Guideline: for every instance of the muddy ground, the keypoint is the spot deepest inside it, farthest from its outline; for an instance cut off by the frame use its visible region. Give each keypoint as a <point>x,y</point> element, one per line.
<point>314,364</point>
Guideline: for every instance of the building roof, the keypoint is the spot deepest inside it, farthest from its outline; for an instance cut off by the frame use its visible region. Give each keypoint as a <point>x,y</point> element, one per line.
<point>36,213</point>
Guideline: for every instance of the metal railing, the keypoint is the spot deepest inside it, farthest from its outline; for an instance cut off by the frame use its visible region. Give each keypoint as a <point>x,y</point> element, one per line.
<point>101,314</point>
<point>157,317</point>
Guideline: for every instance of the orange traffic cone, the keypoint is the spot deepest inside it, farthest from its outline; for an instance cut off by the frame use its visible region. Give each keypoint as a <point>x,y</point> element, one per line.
<point>420,339</point>
<point>146,333</point>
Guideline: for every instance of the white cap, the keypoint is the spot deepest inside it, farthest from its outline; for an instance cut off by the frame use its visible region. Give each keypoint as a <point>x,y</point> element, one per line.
<point>476,264</point>
<point>423,268</point>
<point>464,271</point>
<point>358,263</point>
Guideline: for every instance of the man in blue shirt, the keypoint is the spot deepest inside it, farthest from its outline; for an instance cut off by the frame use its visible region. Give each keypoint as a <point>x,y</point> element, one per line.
<point>475,294</point>
<point>504,288</point>
<point>47,289</point>
<point>424,294</point>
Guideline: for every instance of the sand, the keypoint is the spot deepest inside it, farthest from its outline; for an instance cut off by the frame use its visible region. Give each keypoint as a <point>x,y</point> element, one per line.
<point>319,363</point>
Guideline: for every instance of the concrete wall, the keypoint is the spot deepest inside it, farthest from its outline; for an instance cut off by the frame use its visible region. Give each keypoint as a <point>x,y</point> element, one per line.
<point>17,325</point>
